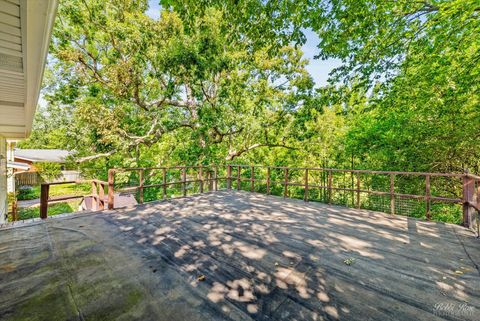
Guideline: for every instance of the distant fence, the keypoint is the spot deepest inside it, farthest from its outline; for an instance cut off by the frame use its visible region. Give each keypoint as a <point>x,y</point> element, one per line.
<point>28,178</point>
<point>34,178</point>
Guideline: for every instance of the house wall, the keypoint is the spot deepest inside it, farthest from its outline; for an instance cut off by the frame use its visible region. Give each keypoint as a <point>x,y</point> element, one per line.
<point>32,167</point>
<point>3,180</point>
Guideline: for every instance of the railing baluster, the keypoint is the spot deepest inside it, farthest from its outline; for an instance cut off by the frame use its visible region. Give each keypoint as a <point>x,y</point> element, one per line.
<point>44,190</point>
<point>101,196</point>
<point>229,177</point>
<point>285,191</point>
<point>239,183</point>
<point>468,197</point>
<point>200,173</point>
<point>252,179</point>
<point>140,187</point>
<point>358,190</point>
<point>95,201</point>
<point>184,181</point>
<point>111,187</point>
<point>305,196</point>
<point>268,180</point>
<point>215,173</point>
<point>330,179</point>
<point>427,197</point>
<point>392,194</point>
<point>164,182</point>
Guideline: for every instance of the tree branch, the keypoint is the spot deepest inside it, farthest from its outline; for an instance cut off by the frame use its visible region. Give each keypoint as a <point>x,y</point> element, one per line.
<point>233,153</point>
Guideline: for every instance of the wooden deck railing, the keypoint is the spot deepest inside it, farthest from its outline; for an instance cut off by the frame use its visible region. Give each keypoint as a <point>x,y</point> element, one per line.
<point>203,175</point>
<point>98,195</point>
<point>329,182</point>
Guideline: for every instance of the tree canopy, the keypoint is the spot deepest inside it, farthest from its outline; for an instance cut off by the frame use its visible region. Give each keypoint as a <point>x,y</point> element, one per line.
<point>218,81</point>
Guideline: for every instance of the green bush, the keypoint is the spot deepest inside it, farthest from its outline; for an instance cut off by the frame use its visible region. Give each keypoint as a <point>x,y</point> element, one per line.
<point>48,171</point>
<point>28,193</point>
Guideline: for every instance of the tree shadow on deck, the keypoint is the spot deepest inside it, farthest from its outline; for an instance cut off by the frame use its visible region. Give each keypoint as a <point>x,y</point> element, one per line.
<point>267,258</point>
<point>238,256</point>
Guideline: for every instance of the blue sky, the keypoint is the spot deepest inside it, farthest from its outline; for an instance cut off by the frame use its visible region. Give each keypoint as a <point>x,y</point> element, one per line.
<point>319,69</point>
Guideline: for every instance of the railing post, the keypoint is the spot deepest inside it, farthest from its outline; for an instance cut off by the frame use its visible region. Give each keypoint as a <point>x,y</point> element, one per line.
<point>392,194</point>
<point>358,190</point>
<point>95,195</point>
<point>101,197</point>
<point>164,182</point>
<point>184,181</point>
<point>44,189</point>
<point>305,195</point>
<point>268,180</point>
<point>468,197</point>
<point>427,197</point>
<point>330,178</point>
<point>140,187</point>
<point>252,179</point>
<point>285,191</point>
<point>200,174</point>
<point>215,182</point>
<point>229,176</point>
<point>239,181</point>
<point>14,210</point>
<point>111,187</point>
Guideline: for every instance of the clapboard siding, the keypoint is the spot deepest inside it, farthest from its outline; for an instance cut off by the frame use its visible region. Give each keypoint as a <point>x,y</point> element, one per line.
<point>10,20</point>
<point>11,30</point>
<point>9,8</point>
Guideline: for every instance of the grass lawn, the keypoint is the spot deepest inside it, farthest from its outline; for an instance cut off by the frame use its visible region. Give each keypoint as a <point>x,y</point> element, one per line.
<point>55,190</point>
<point>53,209</point>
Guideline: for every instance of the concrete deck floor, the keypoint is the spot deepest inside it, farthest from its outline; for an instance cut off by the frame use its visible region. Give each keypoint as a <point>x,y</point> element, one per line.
<point>262,258</point>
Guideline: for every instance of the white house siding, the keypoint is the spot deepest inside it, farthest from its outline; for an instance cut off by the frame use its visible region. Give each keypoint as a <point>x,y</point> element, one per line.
<point>3,180</point>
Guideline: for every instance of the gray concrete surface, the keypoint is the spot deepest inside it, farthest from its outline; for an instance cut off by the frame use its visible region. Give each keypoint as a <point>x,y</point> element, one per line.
<point>238,256</point>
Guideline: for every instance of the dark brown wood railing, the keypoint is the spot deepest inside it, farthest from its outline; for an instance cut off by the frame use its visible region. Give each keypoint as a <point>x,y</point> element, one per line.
<point>468,185</point>
<point>98,195</point>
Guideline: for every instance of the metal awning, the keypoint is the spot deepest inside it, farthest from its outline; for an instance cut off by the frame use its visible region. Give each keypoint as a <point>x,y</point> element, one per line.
<point>25,29</point>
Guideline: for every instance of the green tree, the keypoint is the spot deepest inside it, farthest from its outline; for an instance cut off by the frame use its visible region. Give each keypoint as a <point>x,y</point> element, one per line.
<point>193,87</point>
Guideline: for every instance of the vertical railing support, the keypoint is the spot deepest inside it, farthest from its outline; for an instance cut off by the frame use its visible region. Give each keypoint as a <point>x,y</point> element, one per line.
<point>330,179</point>
<point>164,182</point>
<point>268,180</point>
<point>252,178</point>
<point>14,210</point>
<point>140,186</point>
<point>305,194</point>
<point>392,194</point>
<point>95,200</point>
<point>285,190</point>
<point>229,176</point>
<point>200,174</point>
<point>239,181</point>
<point>111,187</point>
<point>468,197</point>
<point>427,197</point>
<point>44,190</point>
<point>358,190</point>
<point>184,181</point>
<point>101,197</point>
<point>215,181</point>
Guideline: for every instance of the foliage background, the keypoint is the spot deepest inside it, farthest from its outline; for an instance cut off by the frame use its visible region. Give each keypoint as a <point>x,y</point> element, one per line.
<point>213,82</point>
